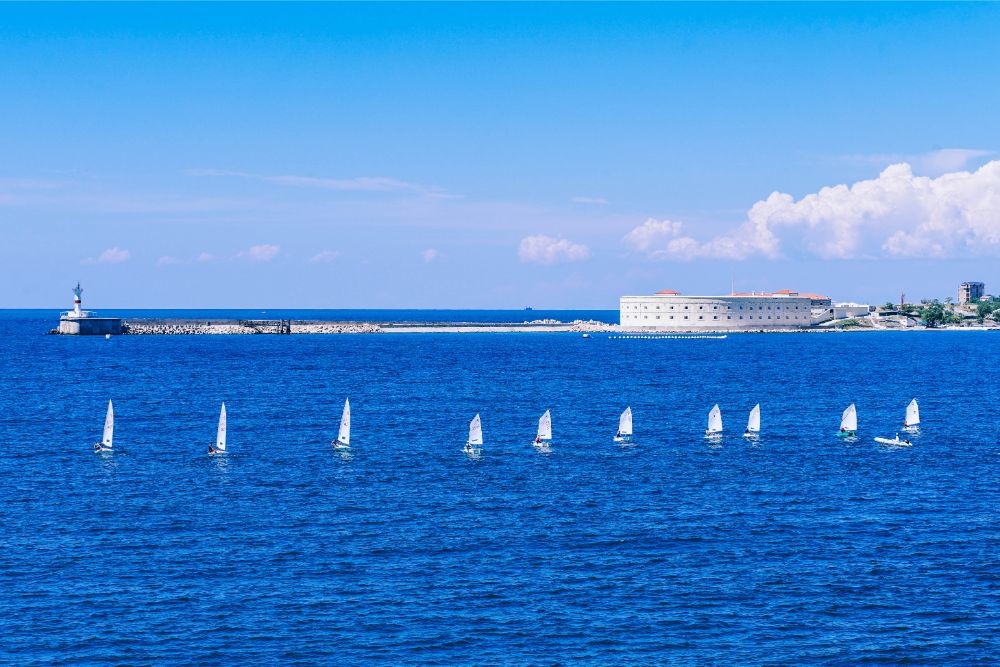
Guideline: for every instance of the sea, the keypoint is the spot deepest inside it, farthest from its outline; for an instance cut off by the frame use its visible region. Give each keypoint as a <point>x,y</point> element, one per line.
<point>797,548</point>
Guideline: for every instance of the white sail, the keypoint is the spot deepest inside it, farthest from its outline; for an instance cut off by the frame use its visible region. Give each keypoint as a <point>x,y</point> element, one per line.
<point>625,422</point>
<point>849,420</point>
<point>753,424</point>
<point>545,426</point>
<point>476,431</point>
<point>912,414</point>
<point>715,420</point>
<point>220,440</point>
<point>344,435</point>
<point>109,427</point>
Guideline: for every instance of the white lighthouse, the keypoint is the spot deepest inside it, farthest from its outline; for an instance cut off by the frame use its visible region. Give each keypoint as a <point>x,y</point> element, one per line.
<point>77,292</point>
<point>83,322</point>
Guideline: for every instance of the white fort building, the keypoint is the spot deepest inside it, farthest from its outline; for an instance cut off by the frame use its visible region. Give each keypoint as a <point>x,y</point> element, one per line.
<point>671,310</point>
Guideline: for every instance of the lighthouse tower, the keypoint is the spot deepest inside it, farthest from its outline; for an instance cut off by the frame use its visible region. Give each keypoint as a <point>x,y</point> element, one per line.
<point>85,322</point>
<point>77,292</point>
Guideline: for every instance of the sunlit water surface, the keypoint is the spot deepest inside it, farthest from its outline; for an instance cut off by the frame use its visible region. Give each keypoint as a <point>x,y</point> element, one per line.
<point>799,548</point>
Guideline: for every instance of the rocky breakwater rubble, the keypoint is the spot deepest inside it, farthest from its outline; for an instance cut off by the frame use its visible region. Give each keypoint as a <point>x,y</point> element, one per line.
<point>192,327</point>
<point>592,325</point>
<point>231,328</point>
<point>335,328</point>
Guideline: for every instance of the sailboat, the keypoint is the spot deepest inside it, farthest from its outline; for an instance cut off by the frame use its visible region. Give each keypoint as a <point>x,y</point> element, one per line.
<point>475,442</point>
<point>544,436</point>
<point>912,421</point>
<point>714,430</point>
<point>625,426</point>
<point>753,423</point>
<point>105,445</point>
<point>220,437</point>
<point>343,440</point>
<point>849,422</point>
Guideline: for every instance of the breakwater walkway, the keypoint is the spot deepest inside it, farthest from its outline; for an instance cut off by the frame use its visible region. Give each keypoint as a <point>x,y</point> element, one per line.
<point>161,327</point>
<point>242,327</point>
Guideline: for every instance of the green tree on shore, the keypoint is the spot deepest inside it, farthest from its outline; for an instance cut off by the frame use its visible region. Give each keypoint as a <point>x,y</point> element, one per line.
<point>933,314</point>
<point>987,309</point>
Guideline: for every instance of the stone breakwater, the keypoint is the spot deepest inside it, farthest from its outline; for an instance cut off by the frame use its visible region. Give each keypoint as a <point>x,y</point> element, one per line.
<point>191,327</point>
<point>229,328</point>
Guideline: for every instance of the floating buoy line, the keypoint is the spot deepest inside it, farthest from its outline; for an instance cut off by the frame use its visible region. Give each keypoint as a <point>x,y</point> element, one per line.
<point>666,337</point>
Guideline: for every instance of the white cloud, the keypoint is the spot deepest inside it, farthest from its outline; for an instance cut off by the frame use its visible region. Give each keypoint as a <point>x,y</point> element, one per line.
<point>205,257</point>
<point>429,255</point>
<point>167,260</point>
<point>356,184</point>
<point>325,256</point>
<point>598,201</point>
<point>665,239</point>
<point>541,249</point>
<point>113,255</point>
<point>896,214</point>
<point>933,163</point>
<point>260,253</point>
<point>948,159</point>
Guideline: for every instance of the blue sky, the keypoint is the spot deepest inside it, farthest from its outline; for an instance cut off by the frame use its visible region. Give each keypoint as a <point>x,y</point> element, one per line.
<point>494,156</point>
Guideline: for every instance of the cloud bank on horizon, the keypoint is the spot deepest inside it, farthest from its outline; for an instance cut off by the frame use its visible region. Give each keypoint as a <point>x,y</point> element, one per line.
<point>895,215</point>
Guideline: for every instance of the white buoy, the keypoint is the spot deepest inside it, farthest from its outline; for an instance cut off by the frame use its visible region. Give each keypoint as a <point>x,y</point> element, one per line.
<point>107,336</point>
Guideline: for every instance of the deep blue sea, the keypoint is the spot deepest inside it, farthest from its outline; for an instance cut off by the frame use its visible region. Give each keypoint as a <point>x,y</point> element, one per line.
<point>798,549</point>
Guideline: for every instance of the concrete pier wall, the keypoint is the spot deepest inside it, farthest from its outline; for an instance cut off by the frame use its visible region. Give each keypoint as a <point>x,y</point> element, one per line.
<point>90,326</point>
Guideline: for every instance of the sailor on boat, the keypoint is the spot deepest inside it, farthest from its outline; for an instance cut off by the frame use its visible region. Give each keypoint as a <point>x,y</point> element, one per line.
<point>544,434</point>
<point>911,423</point>
<point>475,442</point>
<point>753,423</point>
<point>714,430</point>
<point>624,433</point>
<point>220,438</point>
<point>343,440</point>
<point>106,444</point>
<point>849,422</point>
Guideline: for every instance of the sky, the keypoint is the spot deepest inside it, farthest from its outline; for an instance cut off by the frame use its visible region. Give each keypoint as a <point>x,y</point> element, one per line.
<point>494,155</point>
